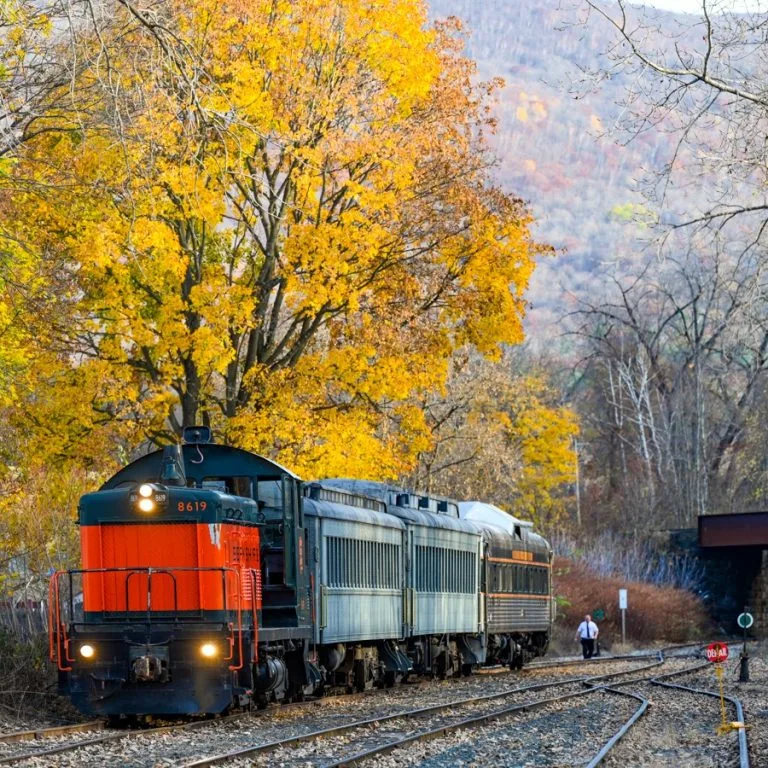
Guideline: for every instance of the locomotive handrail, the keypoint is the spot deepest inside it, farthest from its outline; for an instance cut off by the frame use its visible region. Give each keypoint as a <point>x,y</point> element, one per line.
<point>150,573</point>
<point>233,667</point>
<point>57,637</point>
<point>58,640</point>
<point>254,610</point>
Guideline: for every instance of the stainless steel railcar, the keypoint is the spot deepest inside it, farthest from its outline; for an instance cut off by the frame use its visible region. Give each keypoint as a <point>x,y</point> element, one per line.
<point>357,565</point>
<point>476,584</point>
<point>397,587</point>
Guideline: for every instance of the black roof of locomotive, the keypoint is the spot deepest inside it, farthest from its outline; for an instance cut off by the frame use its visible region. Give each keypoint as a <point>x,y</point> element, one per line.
<point>217,461</point>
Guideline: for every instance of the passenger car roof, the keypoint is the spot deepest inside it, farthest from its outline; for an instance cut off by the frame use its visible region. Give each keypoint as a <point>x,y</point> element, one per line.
<point>335,511</point>
<point>481,512</point>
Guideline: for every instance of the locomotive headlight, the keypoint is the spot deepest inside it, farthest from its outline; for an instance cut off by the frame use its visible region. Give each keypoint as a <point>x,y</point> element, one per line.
<point>145,490</point>
<point>146,505</point>
<point>209,650</point>
<point>87,651</point>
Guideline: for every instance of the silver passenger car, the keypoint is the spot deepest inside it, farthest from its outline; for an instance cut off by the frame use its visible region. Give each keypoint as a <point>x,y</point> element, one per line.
<point>357,566</point>
<point>442,579</point>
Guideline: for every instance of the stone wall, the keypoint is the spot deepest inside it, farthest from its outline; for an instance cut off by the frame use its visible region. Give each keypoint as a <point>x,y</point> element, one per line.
<point>758,602</point>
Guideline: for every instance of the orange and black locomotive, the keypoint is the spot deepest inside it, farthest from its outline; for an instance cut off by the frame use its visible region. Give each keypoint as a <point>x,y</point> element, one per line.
<point>165,616</point>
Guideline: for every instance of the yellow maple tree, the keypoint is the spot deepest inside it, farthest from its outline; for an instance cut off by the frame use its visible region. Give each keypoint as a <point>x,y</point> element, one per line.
<point>275,217</point>
<point>499,435</point>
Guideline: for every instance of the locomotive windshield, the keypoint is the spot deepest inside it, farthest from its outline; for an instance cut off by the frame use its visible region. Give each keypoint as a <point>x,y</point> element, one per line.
<point>236,486</point>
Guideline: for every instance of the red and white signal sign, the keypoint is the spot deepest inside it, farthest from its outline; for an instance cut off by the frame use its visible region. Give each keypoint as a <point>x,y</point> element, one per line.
<point>717,653</point>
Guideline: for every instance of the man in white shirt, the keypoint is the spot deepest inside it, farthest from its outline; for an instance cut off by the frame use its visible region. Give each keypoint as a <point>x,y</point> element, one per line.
<point>587,633</point>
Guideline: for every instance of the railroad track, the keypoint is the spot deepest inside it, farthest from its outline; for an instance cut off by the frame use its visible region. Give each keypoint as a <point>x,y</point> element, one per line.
<point>664,650</point>
<point>449,720</point>
<point>51,734</point>
<point>604,684</point>
<point>46,734</point>
<point>595,685</point>
<point>430,722</point>
<point>662,680</point>
<point>54,730</point>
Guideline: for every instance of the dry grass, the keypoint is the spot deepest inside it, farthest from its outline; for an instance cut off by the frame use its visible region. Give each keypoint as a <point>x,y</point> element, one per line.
<point>654,613</point>
<point>28,679</point>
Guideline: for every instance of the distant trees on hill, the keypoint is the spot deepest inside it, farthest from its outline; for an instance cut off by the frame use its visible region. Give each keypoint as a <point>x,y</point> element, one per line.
<point>673,391</point>
<point>675,355</point>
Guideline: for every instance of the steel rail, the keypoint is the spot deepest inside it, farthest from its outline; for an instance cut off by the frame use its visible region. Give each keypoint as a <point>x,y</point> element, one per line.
<point>109,737</point>
<point>742,732</point>
<point>572,661</point>
<point>54,730</point>
<point>624,729</point>
<point>373,721</point>
<point>636,715</point>
<point>624,657</point>
<point>569,662</point>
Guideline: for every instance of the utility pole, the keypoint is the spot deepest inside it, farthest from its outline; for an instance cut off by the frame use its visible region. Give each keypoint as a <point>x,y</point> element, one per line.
<point>578,489</point>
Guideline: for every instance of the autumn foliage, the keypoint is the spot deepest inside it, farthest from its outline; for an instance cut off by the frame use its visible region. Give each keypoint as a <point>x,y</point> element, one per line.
<point>281,223</point>
<point>274,217</point>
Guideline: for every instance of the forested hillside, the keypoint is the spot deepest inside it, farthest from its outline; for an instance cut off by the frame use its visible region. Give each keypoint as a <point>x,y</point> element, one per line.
<point>582,184</point>
<point>639,139</point>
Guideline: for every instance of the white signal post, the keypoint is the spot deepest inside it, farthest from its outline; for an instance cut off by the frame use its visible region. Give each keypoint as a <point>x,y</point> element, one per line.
<point>745,621</point>
<point>623,607</point>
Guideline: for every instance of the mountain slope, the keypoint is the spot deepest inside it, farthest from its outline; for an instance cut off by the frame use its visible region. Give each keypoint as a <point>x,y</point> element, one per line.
<point>582,186</point>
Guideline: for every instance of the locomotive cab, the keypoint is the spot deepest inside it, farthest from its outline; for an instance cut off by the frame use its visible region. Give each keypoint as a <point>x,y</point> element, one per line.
<point>165,607</point>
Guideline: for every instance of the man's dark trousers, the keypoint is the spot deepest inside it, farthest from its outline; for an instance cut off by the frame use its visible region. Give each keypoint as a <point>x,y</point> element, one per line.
<point>587,647</point>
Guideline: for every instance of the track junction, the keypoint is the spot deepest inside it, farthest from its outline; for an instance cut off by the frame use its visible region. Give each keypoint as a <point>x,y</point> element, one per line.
<point>554,713</point>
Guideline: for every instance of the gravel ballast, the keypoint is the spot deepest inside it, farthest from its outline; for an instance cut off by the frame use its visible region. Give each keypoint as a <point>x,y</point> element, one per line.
<point>677,730</point>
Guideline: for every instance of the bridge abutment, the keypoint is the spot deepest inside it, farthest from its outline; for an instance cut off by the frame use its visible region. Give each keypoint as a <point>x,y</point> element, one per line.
<point>758,597</point>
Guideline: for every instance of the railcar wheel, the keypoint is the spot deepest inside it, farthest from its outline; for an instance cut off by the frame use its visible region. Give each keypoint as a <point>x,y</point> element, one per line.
<point>466,670</point>
<point>360,675</point>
